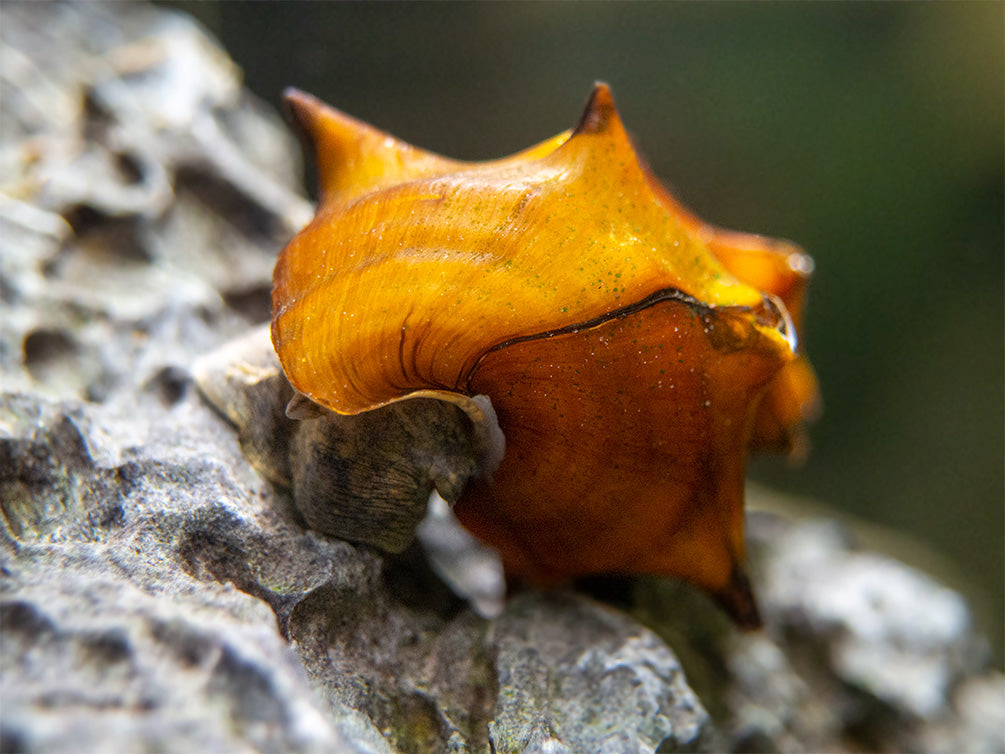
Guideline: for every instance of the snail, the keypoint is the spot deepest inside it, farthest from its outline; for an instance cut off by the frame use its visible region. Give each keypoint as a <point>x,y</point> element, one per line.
<point>604,359</point>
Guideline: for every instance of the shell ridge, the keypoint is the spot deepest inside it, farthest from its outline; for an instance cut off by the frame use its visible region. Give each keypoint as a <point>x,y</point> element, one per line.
<point>664,294</point>
<point>401,343</point>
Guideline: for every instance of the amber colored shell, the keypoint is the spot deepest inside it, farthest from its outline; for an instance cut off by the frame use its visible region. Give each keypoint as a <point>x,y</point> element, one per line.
<point>631,351</point>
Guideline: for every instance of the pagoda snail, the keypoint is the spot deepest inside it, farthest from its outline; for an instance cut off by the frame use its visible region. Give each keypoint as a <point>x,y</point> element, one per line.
<point>632,354</point>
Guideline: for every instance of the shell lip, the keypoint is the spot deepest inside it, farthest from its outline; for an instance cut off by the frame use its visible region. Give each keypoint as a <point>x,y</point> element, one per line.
<point>782,320</point>
<point>772,314</point>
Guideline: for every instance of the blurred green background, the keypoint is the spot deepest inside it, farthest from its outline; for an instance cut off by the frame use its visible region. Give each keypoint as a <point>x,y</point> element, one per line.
<point>870,133</point>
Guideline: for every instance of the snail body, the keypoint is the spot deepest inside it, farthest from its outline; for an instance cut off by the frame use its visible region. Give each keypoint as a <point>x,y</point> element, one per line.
<point>365,477</point>
<point>632,353</point>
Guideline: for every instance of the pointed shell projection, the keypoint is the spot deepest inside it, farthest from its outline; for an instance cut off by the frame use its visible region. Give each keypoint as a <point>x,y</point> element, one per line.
<point>632,353</point>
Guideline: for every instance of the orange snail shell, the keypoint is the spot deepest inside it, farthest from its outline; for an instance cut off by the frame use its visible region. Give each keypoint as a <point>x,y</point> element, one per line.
<point>632,353</point>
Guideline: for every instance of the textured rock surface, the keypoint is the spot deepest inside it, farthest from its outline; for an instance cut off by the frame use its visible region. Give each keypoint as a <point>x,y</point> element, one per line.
<point>156,593</point>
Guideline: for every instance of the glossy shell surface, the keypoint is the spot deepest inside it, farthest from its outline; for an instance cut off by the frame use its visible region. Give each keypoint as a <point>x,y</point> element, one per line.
<point>632,352</point>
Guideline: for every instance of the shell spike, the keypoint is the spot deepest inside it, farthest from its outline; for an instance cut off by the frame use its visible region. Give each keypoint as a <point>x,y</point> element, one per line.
<point>317,124</point>
<point>352,157</point>
<point>600,111</point>
<point>738,602</point>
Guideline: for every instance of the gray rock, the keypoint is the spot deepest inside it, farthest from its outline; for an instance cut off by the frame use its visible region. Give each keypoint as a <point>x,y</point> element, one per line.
<point>572,674</point>
<point>885,627</point>
<point>858,647</point>
<point>117,634</point>
<point>157,593</point>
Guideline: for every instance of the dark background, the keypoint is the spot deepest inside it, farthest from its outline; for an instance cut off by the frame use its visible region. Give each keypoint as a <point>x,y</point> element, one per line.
<point>870,133</point>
